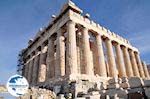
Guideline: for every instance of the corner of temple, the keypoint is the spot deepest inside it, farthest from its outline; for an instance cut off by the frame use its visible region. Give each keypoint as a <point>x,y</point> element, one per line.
<point>71,5</point>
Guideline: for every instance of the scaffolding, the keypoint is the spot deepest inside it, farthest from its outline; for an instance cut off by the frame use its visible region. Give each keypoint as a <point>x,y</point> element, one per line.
<point>21,62</point>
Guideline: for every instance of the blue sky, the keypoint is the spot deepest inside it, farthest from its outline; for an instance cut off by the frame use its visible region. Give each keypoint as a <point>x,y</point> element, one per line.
<point>21,19</point>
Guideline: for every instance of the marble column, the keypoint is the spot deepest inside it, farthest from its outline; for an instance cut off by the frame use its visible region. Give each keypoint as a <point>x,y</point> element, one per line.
<point>42,64</point>
<point>79,52</point>
<point>134,64</point>
<point>26,70</point>
<point>71,67</point>
<point>101,59</point>
<point>30,70</point>
<point>50,59</point>
<point>35,67</point>
<point>86,52</point>
<point>145,70</point>
<point>127,62</point>
<point>60,55</point>
<point>120,63</point>
<point>139,65</point>
<point>23,70</point>
<point>111,58</point>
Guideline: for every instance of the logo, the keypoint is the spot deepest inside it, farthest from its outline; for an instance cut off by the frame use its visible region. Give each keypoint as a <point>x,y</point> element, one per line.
<point>17,85</point>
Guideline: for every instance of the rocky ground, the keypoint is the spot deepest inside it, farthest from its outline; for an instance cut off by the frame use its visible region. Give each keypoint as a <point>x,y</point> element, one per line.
<point>3,88</point>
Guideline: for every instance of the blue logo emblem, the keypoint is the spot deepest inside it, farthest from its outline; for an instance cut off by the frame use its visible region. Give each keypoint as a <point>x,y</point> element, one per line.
<point>17,85</point>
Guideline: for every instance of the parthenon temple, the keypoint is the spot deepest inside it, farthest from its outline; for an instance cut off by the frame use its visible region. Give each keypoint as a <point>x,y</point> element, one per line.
<point>72,50</point>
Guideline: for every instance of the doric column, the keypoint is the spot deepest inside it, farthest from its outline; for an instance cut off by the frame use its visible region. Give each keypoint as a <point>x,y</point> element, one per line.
<point>35,67</point>
<point>26,70</point>
<point>60,55</point>
<point>50,59</point>
<point>145,70</point>
<point>134,64</point>
<point>120,63</point>
<point>42,64</point>
<point>111,58</point>
<point>101,59</point>
<point>139,65</point>
<point>30,70</point>
<point>79,52</point>
<point>71,67</point>
<point>86,52</point>
<point>127,62</point>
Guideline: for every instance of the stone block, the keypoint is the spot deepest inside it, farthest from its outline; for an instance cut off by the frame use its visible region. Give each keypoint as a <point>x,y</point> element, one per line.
<point>124,85</point>
<point>57,89</point>
<point>87,20</point>
<point>107,97</point>
<point>104,86</point>
<point>147,92</point>
<point>113,86</point>
<point>124,79</point>
<point>115,97</point>
<point>113,81</point>
<point>135,82</point>
<point>119,80</point>
<point>80,98</point>
<point>61,96</point>
<point>94,97</point>
<point>94,93</point>
<point>146,83</point>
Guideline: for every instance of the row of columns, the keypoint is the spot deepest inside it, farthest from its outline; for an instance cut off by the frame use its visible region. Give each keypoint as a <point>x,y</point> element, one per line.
<point>129,64</point>
<point>51,62</point>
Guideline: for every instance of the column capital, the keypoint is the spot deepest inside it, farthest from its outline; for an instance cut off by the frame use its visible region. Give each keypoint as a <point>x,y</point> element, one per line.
<point>107,39</point>
<point>143,62</point>
<point>136,52</point>
<point>130,50</point>
<point>84,29</point>
<point>44,48</point>
<point>98,36</point>
<point>115,43</point>
<point>123,46</point>
<point>70,22</point>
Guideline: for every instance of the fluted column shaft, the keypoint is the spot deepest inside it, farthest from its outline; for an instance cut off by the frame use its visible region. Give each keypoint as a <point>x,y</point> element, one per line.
<point>101,59</point>
<point>35,67</point>
<point>60,55</point>
<point>127,62</point>
<point>111,58</point>
<point>139,65</point>
<point>134,64</point>
<point>50,59</point>
<point>31,63</point>
<point>120,63</point>
<point>79,52</point>
<point>86,52</point>
<point>42,66</point>
<point>71,49</point>
<point>146,70</point>
<point>26,70</point>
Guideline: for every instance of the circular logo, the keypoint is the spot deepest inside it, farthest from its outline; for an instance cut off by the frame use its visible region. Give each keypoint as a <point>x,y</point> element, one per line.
<point>17,85</point>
